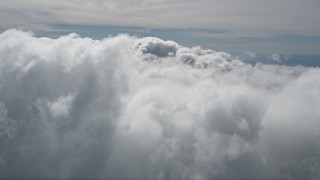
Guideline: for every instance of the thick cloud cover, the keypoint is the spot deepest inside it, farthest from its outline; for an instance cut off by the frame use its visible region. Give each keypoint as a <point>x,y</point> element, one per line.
<point>127,107</point>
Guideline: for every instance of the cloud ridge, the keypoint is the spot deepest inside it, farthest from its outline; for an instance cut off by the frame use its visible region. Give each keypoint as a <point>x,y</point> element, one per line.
<point>129,107</point>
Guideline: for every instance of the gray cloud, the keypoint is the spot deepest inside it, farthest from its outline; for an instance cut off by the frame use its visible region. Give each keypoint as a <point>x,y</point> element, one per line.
<point>127,107</point>
<point>250,18</point>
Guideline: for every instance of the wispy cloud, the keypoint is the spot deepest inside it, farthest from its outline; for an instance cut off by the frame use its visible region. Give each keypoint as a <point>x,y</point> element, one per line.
<point>257,16</point>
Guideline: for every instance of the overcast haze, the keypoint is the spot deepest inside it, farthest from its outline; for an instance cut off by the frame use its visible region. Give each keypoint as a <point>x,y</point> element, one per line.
<point>80,99</point>
<point>285,26</point>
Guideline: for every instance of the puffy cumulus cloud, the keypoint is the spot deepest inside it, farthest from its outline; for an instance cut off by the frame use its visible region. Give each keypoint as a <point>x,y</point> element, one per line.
<point>157,47</point>
<point>127,107</point>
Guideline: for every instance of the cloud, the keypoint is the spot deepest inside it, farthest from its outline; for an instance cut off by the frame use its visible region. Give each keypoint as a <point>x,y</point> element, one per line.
<point>276,58</point>
<point>256,18</point>
<point>157,47</point>
<point>61,106</point>
<point>128,107</point>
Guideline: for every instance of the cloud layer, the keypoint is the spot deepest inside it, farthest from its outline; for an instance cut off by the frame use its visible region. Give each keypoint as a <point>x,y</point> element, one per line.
<point>127,107</point>
<point>249,18</point>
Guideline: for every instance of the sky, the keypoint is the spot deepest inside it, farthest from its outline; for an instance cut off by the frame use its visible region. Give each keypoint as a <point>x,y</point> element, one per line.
<point>286,26</point>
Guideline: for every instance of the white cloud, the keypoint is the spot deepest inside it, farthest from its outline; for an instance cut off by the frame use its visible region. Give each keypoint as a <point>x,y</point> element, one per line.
<point>148,108</point>
<point>276,57</point>
<point>61,106</point>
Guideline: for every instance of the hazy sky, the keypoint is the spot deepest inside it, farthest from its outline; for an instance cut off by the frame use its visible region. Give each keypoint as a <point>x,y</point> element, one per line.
<point>283,26</point>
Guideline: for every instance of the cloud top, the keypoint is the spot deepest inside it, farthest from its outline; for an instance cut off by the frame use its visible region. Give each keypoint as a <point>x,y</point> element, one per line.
<point>128,107</point>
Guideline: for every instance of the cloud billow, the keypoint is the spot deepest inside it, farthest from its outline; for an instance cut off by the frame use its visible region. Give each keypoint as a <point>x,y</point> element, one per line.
<point>128,107</point>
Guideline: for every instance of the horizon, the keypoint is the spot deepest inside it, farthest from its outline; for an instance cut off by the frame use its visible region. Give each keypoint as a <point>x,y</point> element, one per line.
<point>286,27</point>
